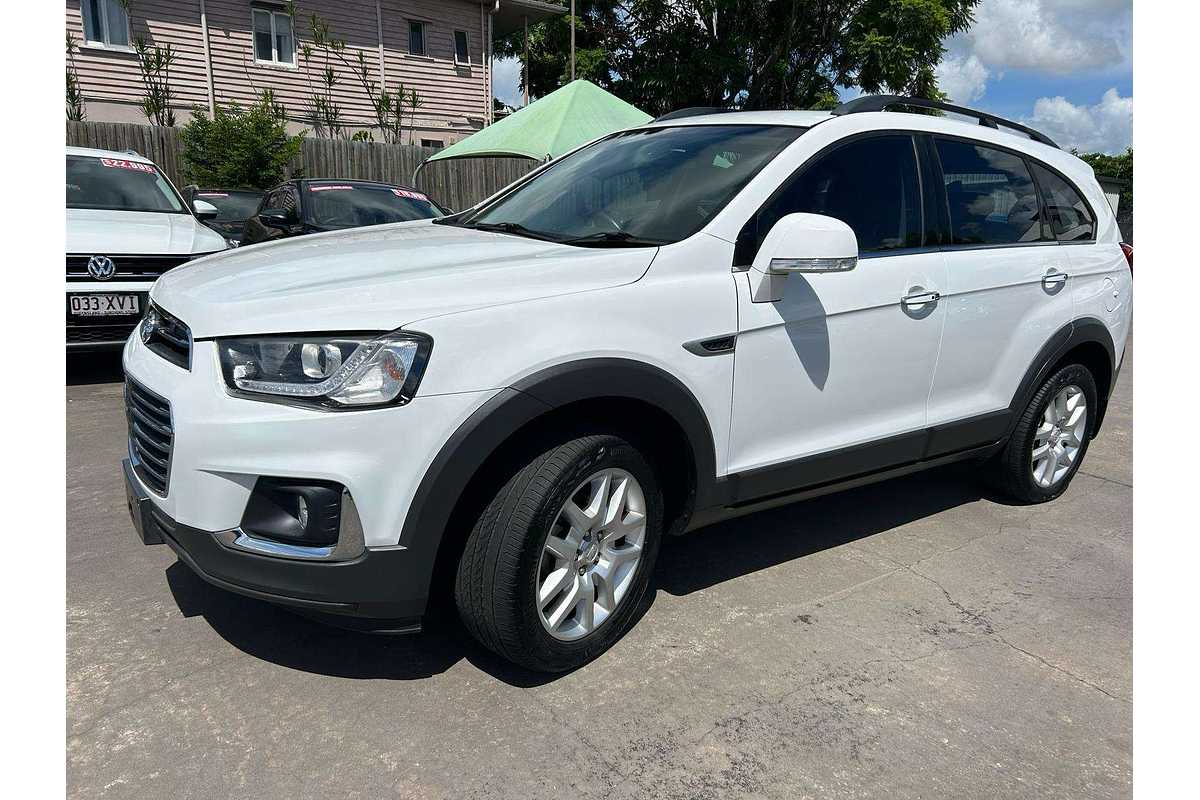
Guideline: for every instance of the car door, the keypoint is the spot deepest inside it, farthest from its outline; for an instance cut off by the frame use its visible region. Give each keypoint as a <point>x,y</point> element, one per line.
<point>256,231</point>
<point>1005,293</point>
<point>832,379</point>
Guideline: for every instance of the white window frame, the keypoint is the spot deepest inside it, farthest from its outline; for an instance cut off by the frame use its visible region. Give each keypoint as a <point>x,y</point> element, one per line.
<point>454,40</point>
<point>424,37</point>
<point>274,60</point>
<point>102,26</point>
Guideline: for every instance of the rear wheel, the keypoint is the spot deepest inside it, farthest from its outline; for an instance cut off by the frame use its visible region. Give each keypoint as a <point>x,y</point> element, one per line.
<point>1051,438</point>
<point>556,566</point>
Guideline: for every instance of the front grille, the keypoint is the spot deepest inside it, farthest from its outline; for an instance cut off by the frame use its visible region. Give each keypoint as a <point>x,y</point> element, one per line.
<point>151,435</point>
<point>98,334</point>
<point>167,336</point>
<point>128,268</point>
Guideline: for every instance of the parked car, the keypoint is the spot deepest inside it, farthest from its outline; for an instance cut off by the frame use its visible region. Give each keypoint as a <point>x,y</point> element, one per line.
<point>298,207</point>
<point>234,207</point>
<point>507,409</point>
<point>126,225</point>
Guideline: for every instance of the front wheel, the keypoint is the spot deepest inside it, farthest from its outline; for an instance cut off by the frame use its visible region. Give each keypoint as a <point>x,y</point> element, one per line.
<point>1051,438</point>
<point>556,566</point>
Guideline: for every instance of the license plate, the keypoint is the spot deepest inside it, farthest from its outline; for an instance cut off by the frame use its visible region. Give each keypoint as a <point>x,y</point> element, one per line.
<point>104,305</point>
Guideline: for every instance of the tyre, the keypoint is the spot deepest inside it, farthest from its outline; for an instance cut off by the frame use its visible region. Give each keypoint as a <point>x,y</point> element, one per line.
<point>1051,438</point>
<point>557,565</point>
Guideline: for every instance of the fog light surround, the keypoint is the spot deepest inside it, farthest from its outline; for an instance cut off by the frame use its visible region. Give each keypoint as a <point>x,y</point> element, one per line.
<point>300,518</point>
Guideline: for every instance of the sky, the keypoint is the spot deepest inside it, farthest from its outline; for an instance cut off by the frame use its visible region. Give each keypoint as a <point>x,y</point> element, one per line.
<point>1064,67</point>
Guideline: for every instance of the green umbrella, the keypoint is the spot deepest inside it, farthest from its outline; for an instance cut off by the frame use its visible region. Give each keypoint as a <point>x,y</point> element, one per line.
<point>551,126</point>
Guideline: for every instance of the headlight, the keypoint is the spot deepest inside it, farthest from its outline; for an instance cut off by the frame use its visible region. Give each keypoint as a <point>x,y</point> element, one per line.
<point>329,371</point>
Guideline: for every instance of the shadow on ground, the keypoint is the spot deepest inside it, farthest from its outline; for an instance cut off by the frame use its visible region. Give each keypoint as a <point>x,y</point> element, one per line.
<point>697,561</point>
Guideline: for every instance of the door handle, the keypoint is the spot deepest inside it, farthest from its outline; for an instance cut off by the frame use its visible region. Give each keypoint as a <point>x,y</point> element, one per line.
<point>1054,278</point>
<point>919,299</point>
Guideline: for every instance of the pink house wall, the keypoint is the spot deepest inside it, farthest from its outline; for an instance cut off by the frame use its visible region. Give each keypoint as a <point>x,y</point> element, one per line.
<point>454,97</point>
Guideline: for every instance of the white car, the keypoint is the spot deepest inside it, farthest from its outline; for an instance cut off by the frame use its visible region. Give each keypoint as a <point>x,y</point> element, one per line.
<point>126,225</point>
<point>507,409</point>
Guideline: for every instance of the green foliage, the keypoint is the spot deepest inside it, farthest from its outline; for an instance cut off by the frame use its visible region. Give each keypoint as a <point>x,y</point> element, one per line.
<point>321,109</point>
<point>75,109</point>
<point>667,54</point>
<point>239,148</point>
<point>155,63</point>
<point>1118,166</point>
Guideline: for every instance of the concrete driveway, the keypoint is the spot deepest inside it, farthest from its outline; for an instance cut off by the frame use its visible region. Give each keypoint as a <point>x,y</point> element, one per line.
<point>909,639</point>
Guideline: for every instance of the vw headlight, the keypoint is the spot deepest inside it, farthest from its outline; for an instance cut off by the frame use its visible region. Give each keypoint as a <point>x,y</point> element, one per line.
<point>329,371</point>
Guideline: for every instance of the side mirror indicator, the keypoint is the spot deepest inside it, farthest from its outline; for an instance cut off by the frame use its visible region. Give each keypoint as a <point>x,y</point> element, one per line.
<point>804,243</point>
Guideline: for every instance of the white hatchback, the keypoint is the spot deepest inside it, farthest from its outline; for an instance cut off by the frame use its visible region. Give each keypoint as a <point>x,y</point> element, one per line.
<point>126,225</point>
<point>505,410</point>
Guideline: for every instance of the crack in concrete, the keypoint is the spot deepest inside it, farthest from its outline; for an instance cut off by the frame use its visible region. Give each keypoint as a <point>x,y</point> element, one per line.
<point>1106,480</point>
<point>989,631</point>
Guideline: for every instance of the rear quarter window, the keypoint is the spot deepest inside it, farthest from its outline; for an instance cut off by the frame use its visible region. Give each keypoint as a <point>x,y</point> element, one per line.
<point>1070,217</point>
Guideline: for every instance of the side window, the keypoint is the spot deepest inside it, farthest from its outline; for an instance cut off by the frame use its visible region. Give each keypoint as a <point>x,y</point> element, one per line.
<point>991,197</point>
<point>1070,218</point>
<point>871,184</point>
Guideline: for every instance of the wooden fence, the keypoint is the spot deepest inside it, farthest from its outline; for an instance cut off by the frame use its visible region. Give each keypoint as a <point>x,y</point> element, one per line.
<point>457,183</point>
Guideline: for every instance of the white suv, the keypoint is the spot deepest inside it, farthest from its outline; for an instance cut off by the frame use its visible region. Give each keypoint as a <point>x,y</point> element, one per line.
<point>507,409</point>
<point>126,225</point>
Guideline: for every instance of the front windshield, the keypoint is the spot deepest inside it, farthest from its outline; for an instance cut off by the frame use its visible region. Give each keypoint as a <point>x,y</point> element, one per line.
<point>353,205</point>
<point>232,206</point>
<point>117,184</point>
<point>647,186</point>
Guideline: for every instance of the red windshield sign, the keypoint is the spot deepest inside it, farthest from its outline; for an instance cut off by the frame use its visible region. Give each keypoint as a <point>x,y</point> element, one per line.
<point>121,163</point>
<point>408,194</point>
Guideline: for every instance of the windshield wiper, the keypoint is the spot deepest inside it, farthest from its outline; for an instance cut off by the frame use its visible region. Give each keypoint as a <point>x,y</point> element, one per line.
<point>614,239</point>
<point>515,228</point>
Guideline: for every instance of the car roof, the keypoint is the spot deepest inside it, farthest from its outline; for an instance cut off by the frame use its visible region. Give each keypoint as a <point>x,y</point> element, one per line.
<point>127,155</point>
<point>355,182</point>
<point>894,120</point>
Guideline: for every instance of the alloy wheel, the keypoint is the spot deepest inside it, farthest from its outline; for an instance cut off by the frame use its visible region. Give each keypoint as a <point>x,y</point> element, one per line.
<point>1059,437</point>
<point>591,554</point>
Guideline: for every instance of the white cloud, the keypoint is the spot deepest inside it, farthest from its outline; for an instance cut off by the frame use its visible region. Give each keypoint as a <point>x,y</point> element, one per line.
<point>1052,36</point>
<point>963,78</point>
<point>506,81</point>
<point>1105,127</point>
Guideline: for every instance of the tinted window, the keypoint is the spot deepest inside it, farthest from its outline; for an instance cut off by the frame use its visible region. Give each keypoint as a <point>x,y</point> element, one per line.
<point>346,205</point>
<point>461,52</point>
<point>118,184</point>
<point>656,184</point>
<point>1070,218</point>
<point>236,206</point>
<point>989,193</point>
<point>872,185</point>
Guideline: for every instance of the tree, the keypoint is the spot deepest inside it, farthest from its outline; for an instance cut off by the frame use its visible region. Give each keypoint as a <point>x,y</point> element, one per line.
<point>238,148</point>
<point>155,62</point>
<point>750,54</point>
<point>1119,166</point>
<point>75,109</point>
<point>321,109</point>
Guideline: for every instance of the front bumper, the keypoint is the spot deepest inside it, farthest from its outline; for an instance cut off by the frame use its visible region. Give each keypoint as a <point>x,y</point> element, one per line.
<point>373,586</point>
<point>222,445</point>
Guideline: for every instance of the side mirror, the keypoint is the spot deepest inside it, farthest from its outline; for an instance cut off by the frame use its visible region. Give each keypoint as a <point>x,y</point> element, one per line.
<point>276,218</point>
<point>811,243</point>
<point>204,209</point>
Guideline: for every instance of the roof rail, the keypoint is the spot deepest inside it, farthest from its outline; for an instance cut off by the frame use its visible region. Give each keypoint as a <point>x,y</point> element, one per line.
<point>694,111</point>
<point>882,102</point>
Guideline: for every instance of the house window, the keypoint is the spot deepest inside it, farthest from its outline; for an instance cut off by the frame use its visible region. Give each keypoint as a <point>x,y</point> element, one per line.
<point>462,53</point>
<point>105,23</point>
<point>416,38</point>
<point>436,144</point>
<point>273,42</point>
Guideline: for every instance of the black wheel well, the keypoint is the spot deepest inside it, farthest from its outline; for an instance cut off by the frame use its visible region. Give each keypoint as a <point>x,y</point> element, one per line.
<point>646,426</point>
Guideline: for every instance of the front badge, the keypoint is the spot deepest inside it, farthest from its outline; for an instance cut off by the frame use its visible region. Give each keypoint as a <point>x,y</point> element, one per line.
<point>101,267</point>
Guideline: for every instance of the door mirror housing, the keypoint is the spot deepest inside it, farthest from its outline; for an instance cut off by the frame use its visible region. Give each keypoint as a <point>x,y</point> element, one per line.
<point>204,209</point>
<point>276,218</point>
<point>809,243</point>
